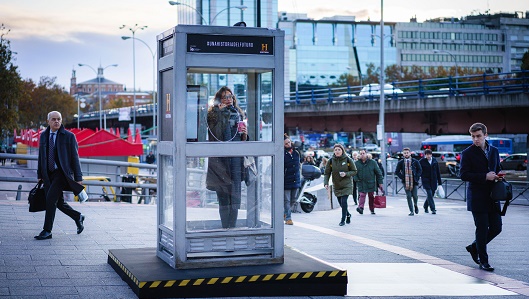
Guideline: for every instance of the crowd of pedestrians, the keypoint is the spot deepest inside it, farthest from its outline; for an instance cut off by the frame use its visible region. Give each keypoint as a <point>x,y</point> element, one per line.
<point>361,176</point>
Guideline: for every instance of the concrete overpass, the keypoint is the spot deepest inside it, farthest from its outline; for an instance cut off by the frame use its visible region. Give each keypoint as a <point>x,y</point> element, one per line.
<point>502,113</point>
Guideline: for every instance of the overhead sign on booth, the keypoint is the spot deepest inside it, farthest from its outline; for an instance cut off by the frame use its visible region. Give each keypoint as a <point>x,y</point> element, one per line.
<point>201,43</point>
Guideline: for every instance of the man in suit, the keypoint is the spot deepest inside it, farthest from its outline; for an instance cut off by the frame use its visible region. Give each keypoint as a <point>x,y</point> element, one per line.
<point>480,165</point>
<point>431,178</point>
<point>59,168</point>
<point>409,171</point>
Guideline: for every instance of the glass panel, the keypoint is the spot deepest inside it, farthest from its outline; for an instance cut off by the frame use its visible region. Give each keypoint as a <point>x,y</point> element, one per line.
<point>230,95</point>
<point>167,199</point>
<point>220,195</point>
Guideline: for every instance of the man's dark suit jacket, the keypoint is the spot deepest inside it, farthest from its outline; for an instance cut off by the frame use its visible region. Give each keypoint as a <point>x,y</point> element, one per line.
<point>67,159</point>
<point>416,169</point>
<point>474,168</point>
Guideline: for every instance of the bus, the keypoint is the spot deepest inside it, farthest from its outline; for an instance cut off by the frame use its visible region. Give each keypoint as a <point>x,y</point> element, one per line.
<point>457,143</point>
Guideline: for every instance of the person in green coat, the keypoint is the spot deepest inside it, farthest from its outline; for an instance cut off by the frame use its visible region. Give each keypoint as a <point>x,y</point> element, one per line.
<point>342,168</point>
<point>366,179</point>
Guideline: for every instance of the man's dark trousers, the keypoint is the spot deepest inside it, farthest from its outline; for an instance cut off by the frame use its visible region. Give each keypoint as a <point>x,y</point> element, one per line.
<point>55,199</point>
<point>488,226</point>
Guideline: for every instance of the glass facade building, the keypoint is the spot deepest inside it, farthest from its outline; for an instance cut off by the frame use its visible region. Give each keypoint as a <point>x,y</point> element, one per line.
<point>228,12</point>
<point>318,52</point>
<point>437,43</point>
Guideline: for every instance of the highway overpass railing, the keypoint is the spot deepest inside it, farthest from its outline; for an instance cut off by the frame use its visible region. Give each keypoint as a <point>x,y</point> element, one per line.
<point>484,84</point>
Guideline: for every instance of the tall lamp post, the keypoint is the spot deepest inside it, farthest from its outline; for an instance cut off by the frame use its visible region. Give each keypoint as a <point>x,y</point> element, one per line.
<point>99,74</point>
<point>133,29</point>
<point>380,128</point>
<point>452,56</point>
<point>153,81</point>
<point>241,7</point>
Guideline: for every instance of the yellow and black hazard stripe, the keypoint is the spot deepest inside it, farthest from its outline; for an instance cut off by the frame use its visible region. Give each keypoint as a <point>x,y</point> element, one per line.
<point>238,279</point>
<point>124,269</point>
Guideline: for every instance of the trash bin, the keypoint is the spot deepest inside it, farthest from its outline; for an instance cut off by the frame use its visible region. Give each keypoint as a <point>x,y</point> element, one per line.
<point>126,192</point>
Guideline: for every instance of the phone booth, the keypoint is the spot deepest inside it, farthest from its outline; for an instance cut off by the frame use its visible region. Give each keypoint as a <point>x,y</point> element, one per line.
<point>220,174</point>
<point>219,190</point>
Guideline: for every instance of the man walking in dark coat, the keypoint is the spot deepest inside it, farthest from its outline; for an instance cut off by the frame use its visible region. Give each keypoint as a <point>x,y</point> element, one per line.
<point>59,168</point>
<point>431,178</point>
<point>409,171</point>
<point>292,178</point>
<point>480,165</point>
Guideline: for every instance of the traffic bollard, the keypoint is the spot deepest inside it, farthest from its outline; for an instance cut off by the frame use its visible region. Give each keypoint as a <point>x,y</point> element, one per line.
<point>19,191</point>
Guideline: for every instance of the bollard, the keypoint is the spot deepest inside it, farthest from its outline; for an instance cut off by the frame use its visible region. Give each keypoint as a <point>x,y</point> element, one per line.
<point>19,191</point>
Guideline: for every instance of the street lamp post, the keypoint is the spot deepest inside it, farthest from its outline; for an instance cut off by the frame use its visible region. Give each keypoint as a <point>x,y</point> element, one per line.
<point>241,7</point>
<point>153,81</point>
<point>380,129</point>
<point>133,29</point>
<point>99,74</point>
<point>452,56</point>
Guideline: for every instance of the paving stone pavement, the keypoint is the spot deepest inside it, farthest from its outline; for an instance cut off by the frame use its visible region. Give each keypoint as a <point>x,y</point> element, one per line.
<point>390,254</point>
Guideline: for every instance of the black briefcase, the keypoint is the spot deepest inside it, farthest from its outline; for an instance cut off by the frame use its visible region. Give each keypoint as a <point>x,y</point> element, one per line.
<point>37,198</point>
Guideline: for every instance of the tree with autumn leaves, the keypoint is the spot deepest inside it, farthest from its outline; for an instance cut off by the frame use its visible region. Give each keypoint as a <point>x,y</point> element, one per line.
<point>24,103</point>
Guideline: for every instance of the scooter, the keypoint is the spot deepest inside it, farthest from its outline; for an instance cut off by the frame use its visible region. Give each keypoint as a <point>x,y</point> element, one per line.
<point>453,169</point>
<point>305,199</point>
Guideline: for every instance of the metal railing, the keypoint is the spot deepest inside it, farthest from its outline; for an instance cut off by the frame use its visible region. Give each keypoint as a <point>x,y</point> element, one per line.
<point>472,85</point>
<point>456,189</point>
<point>146,193</point>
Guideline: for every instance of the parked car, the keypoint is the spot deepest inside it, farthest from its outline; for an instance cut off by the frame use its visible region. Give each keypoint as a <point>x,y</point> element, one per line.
<point>374,90</point>
<point>444,156</point>
<point>371,147</point>
<point>514,162</point>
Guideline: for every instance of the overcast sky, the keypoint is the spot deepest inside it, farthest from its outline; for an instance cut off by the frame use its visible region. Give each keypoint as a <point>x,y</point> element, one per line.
<point>51,37</point>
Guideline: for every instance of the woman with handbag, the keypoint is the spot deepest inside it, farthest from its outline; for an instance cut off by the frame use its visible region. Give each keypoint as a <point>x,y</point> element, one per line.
<point>224,175</point>
<point>342,168</point>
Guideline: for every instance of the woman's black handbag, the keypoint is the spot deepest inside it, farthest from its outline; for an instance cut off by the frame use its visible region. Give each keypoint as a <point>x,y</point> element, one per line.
<point>502,191</point>
<point>37,198</point>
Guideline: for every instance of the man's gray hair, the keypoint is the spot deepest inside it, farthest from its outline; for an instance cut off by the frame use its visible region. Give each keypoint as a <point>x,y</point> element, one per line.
<point>54,112</point>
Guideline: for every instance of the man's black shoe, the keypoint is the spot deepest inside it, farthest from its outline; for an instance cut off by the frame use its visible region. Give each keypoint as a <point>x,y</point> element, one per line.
<point>411,214</point>
<point>416,210</point>
<point>79,223</point>
<point>473,253</point>
<point>486,267</point>
<point>43,235</point>
<point>348,219</point>
<point>360,210</point>
<point>426,211</point>
<point>341,223</point>
<point>434,212</point>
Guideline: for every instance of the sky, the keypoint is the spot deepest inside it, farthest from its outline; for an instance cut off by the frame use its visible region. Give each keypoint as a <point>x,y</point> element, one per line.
<point>52,37</point>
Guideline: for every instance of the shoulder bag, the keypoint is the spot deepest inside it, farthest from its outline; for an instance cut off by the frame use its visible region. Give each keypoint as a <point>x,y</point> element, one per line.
<point>502,191</point>
<point>37,198</point>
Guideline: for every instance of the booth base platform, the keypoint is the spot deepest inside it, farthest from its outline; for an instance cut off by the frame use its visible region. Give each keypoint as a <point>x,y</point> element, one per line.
<point>300,275</point>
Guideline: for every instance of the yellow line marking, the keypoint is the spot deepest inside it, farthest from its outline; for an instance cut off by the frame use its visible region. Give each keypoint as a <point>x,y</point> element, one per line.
<point>294,275</point>
<point>213,280</point>
<point>320,274</point>
<point>183,283</point>
<point>142,284</point>
<point>254,278</point>
<point>268,277</point>
<point>198,282</point>
<point>281,276</point>
<point>241,279</point>
<point>169,284</point>
<point>226,279</point>
<point>307,275</point>
<point>155,284</point>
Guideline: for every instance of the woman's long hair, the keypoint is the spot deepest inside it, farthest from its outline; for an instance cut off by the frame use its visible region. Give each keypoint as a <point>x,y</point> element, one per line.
<point>218,97</point>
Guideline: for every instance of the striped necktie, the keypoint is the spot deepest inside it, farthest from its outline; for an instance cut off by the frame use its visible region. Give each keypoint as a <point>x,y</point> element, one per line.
<point>51,153</point>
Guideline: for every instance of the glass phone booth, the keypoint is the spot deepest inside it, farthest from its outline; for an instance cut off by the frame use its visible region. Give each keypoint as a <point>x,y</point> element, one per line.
<point>220,146</point>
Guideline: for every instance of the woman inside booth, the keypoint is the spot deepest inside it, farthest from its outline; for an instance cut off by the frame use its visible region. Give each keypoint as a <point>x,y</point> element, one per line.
<point>224,176</point>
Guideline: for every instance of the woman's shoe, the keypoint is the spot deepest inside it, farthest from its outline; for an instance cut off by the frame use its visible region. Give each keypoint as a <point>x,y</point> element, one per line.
<point>341,223</point>
<point>348,219</point>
